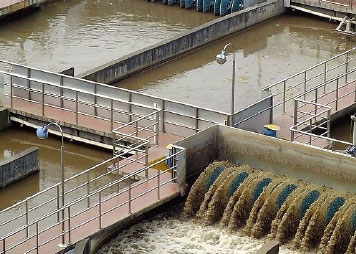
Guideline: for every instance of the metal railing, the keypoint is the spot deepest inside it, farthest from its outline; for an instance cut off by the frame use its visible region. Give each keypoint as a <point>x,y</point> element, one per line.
<point>338,70</point>
<point>145,127</point>
<point>116,105</point>
<point>300,83</point>
<point>31,235</point>
<point>312,118</point>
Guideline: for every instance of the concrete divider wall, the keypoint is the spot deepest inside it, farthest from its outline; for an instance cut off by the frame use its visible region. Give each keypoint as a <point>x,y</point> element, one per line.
<point>165,50</point>
<point>294,160</point>
<point>257,120</point>
<point>4,118</point>
<point>19,166</point>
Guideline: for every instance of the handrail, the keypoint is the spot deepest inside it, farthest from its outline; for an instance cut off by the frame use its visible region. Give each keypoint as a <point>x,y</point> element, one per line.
<point>91,194</point>
<point>308,69</point>
<point>118,88</point>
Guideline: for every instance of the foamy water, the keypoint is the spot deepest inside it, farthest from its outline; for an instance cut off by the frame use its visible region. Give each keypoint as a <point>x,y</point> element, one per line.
<point>169,233</point>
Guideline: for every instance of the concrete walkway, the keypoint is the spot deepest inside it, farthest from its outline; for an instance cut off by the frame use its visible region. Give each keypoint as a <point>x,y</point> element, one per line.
<point>8,7</point>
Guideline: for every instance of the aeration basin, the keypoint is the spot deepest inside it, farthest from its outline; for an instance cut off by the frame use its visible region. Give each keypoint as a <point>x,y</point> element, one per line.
<point>265,186</point>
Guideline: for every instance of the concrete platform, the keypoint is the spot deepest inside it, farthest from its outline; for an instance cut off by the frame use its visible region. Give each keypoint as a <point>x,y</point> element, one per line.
<point>9,7</point>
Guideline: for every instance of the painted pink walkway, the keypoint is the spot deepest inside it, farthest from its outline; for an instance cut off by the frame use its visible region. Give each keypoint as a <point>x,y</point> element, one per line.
<point>168,191</point>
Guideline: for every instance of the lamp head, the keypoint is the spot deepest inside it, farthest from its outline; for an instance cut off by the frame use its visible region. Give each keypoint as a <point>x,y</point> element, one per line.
<point>221,58</point>
<point>42,132</point>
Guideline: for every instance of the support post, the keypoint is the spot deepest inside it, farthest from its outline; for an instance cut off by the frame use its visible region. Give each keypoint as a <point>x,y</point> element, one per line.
<point>43,98</point>
<point>284,95</point>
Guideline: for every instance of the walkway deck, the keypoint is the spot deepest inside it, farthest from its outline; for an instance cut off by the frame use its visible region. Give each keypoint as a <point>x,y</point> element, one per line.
<point>138,206</point>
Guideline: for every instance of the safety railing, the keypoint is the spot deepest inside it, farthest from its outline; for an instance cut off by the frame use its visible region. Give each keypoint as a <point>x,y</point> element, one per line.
<point>312,117</point>
<point>145,127</point>
<point>74,219</point>
<point>22,213</point>
<point>86,98</point>
<point>298,84</point>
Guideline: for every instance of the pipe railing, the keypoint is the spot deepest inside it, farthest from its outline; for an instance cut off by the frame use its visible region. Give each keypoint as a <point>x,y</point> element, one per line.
<point>99,212</point>
<point>93,176</point>
<point>327,70</point>
<point>188,117</point>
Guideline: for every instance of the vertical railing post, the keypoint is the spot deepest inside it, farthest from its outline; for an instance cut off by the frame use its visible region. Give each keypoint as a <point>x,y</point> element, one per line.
<point>112,114</point>
<point>11,93</point>
<point>157,128</point>
<point>118,173</point>
<point>163,116</point>
<point>174,162</point>
<point>325,76</point>
<point>100,222</point>
<point>88,190</point>
<point>61,91</point>
<point>58,203</point>
<point>130,197</point>
<point>43,98</point>
<point>27,218</point>
<point>4,246</point>
<point>130,107</point>
<point>29,83</point>
<point>284,95</point>
<point>196,120</point>
<point>37,238</point>
<point>295,119</point>
<point>316,101</point>
<point>310,130</point>
<point>95,100</point>
<point>337,94</point>
<point>156,124</point>
<point>146,160</point>
<point>158,184</point>
<point>347,66</point>
<point>69,226</point>
<point>76,106</point>
<point>305,84</point>
<point>328,124</point>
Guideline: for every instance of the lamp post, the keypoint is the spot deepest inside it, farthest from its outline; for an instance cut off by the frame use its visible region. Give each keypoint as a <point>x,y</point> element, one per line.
<point>42,133</point>
<point>221,59</point>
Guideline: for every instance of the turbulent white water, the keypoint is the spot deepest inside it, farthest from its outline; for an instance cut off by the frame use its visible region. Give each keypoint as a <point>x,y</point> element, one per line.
<point>169,233</point>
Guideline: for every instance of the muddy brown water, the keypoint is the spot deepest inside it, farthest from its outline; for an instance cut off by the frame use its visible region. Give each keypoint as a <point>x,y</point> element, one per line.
<point>85,34</point>
<point>265,54</point>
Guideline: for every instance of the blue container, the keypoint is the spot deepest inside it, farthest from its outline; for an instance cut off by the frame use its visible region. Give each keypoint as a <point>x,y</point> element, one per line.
<point>269,132</point>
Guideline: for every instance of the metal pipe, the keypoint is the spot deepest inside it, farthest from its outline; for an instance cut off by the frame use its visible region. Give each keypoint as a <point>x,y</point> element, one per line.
<point>69,226</point>
<point>100,225</point>
<point>353,118</point>
<point>27,228</point>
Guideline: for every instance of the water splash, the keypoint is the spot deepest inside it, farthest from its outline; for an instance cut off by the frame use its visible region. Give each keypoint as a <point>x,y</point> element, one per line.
<point>225,191</point>
<point>268,204</point>
<point>198,190</point>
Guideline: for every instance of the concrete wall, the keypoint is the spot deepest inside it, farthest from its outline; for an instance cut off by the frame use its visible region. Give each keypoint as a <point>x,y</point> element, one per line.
<point>257,120</point>
<point>165,50</point>
<point>19,166</point>
<point>294,160</point>
<point>4,118</point>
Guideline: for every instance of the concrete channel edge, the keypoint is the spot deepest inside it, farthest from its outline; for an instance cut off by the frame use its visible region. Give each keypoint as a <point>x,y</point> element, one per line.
<point>180,44</point>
